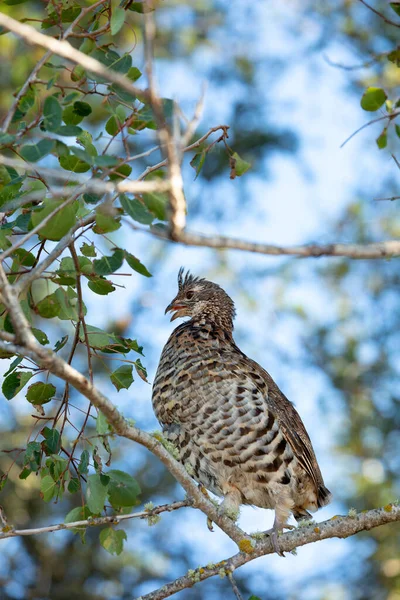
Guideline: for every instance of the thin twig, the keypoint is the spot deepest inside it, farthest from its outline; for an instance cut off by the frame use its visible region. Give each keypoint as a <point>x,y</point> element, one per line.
<point>94,522</point>
<point>388,116</point>
<point>381,15</point>
<point>234,586</point>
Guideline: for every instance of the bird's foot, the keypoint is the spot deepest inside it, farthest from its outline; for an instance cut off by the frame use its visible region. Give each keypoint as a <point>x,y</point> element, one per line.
<point>274,532</point>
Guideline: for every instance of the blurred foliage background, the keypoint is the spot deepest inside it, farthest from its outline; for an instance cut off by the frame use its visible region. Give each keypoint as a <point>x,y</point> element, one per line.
<point>330,325</point>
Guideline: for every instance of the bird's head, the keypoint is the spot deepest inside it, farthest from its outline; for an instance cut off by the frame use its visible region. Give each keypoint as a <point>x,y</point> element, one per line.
<point>202,300</point>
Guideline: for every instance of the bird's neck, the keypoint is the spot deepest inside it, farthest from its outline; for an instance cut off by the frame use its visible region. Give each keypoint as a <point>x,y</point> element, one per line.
<point>221,324</point>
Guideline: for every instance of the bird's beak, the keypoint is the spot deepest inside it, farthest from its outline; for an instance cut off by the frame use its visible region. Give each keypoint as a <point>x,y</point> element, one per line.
<point>179,307</point>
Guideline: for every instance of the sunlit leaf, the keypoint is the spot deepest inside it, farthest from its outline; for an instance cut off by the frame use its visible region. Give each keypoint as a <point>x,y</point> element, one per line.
<point>373,98</point>
<point>122,377</point>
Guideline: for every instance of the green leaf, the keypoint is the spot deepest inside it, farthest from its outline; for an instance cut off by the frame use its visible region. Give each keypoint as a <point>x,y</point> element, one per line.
<point>32,456</point>
<point>381,140</point>
<point>52,441</point>
<point>52,113</point>
<point>40,336</point>
<point>105,161</point>
<point>112,126</point>
<point>102,425</point>
<point>40,393</point>
<point>96,493</point>
<point>109,264</point>
<point>48,307</point>
<point>14,365</point>
<point>395,6</point>
<point>35,152</point>
<point>197,162</point>
<point>83,109</point>
<point>123,489</point>
<point>157,203</point>
<point>373,98</point>
<point>58,225</point>
<point>48,488</point>
<point>80,513</point>
<point>397,128</point>
<point>73,163</point>
<point>139,7</point>
<point>71,117</point>
<point>74,485</point>
<point>136,209</point>
<point>84,463</point>
<point>238,166</point>
<point>88,249</point>
<point>14,383</point>
<point>6,138</point>
<point>69,130</point>
<point>101,286</point>
<point>117,20</point>
<point>68,301</point>
<point>25,258</point>
<point>136,265</point>
<point>112,540</point>
<point>61,343</point>
<point>140,370</point>
<point>105,223</point>
<point>134,74</point>
<point>122,65</point>
<point>120,172</point>
<point>78,73</point>
<point>98,338</point>
<point>122,378</point>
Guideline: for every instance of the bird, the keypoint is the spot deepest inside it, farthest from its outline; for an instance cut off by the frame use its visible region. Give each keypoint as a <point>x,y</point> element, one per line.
<point>231,426</point>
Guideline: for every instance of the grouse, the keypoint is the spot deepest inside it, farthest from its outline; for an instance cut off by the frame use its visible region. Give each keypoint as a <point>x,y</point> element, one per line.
<point>234,430</point>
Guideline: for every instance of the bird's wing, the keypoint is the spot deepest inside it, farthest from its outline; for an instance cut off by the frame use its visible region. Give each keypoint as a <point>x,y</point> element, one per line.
<point>290,422</point>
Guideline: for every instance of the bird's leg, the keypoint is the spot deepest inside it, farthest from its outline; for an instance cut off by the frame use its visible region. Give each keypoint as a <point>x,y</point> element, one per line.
<point>273,533</point>
<point>282,511</point>
<point>231,502</point>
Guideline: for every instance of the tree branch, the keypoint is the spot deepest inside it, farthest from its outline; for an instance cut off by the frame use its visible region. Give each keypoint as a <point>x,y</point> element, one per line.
<point>177,201</point>
<point>340,527</point>
<point>7,531</point>
<point>386,249</point>
<point>65,50</point>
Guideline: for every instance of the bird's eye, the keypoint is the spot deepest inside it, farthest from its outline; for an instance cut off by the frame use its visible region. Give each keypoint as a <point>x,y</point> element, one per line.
<point>189,295</point>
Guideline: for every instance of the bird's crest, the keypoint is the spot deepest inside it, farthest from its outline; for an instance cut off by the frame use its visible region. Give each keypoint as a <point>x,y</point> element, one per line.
<point>188,279</point>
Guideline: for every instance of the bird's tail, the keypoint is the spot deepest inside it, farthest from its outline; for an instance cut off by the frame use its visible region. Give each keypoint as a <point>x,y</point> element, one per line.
<point>324,496</point>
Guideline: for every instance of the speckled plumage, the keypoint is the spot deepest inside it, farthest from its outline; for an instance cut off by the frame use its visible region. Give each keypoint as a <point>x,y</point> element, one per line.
<point>235,431</point>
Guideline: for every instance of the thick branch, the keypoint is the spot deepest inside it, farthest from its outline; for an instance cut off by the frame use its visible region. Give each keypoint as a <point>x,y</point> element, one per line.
<point>339,527</point>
